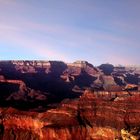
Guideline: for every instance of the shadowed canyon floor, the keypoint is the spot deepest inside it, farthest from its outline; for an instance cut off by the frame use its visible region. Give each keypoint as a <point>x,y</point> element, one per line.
<point>54,100</point>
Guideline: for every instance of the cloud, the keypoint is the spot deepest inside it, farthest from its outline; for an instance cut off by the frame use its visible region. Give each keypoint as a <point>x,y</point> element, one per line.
<point>71,35</point>
<point>42,47</point>
<point>66,30</point>
<point>36,47</point>
<point>79,37</point>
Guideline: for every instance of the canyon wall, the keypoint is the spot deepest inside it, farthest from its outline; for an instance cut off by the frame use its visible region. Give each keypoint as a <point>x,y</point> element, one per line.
<point>54,100</point>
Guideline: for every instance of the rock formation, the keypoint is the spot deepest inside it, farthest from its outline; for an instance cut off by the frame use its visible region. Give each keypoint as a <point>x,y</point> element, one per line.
<point>57,101</point>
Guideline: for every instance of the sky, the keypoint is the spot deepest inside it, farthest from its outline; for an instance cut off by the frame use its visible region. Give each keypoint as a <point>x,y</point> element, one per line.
<point>98,31</point>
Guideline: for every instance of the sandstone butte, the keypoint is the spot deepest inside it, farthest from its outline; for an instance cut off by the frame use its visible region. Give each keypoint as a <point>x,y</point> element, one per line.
<point>85,103</point>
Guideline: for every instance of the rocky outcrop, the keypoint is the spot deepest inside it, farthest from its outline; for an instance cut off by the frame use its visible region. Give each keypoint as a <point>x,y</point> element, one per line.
<point>107,68</point>
<point>132,133</point>
<point>131,87</point>
<point>18,95</point>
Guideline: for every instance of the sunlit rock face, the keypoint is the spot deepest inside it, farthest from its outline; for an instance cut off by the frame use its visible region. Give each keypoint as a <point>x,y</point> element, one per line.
<point>132,133</point>
<point>53,100</point>
<point>92,116</point>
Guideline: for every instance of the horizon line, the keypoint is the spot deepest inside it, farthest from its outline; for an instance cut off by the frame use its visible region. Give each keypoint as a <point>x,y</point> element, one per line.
<point>45,60</point>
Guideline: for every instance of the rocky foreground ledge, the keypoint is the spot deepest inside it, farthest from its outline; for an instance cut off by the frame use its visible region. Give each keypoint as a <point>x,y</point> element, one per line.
<point>89,117</point>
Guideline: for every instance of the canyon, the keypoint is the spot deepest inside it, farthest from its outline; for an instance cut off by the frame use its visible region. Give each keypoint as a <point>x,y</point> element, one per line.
<point>53,100</point>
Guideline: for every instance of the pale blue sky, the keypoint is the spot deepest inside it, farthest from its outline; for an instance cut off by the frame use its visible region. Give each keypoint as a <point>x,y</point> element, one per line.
<point>98,31</point>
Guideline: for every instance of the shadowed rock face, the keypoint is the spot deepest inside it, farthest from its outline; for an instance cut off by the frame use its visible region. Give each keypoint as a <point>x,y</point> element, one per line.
<point>107,68</point>
<point>42,82</point>
<point>57,101</point>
